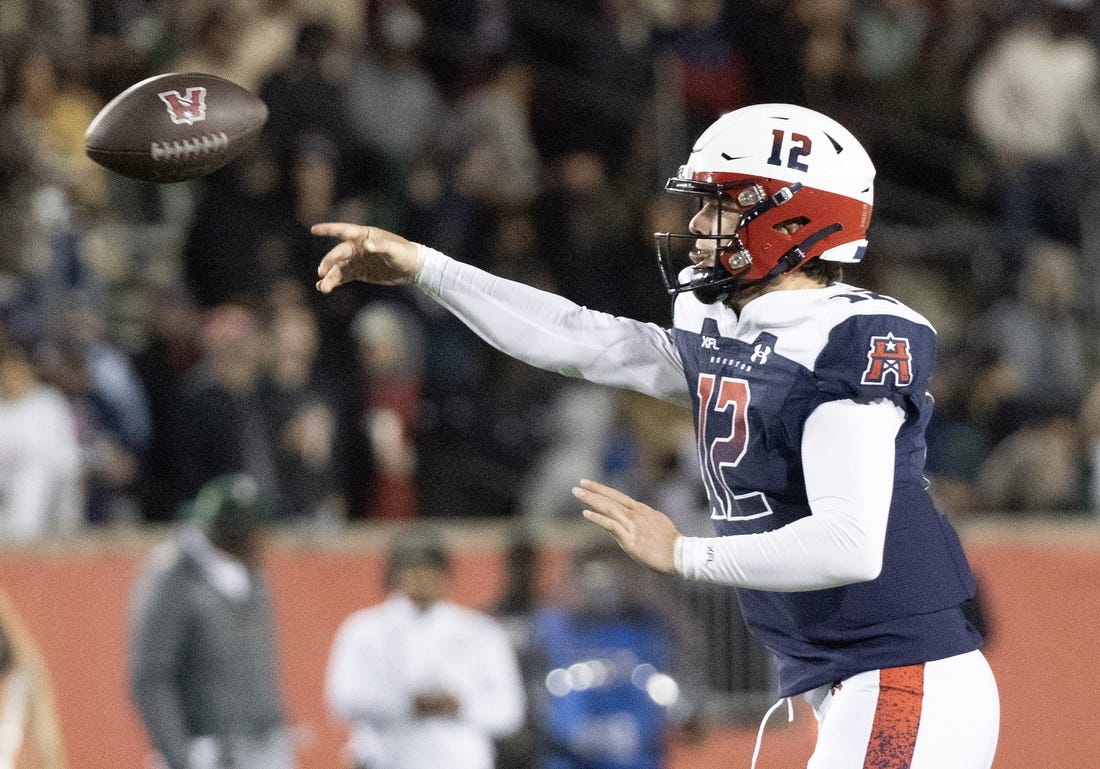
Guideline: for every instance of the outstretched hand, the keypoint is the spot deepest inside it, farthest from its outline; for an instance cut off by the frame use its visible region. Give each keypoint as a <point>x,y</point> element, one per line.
<point>647,535</point>
<point>368,254</point>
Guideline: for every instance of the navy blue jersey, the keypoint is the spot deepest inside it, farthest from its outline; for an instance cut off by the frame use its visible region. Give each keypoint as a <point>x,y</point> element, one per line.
<point>754,381</point>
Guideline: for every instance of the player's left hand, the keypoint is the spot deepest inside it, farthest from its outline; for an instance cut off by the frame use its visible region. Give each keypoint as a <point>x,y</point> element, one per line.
<point>647,535</point>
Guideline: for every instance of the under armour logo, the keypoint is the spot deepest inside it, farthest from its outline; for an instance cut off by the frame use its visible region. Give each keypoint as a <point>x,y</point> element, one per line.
<point>760,354</point>
<point>185,108</point>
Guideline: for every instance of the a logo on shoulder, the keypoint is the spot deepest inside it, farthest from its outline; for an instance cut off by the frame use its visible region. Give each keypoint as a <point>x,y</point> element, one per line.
<point>760,354</point>
<point>187,108</point>
<point>888,356</point>
<point>709,343</point>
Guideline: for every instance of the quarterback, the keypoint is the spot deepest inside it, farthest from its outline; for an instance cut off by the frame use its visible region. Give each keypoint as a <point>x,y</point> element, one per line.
<point>810,407</point>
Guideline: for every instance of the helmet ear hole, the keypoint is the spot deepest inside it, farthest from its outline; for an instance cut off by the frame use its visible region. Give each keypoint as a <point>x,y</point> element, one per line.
<point>791,225</point>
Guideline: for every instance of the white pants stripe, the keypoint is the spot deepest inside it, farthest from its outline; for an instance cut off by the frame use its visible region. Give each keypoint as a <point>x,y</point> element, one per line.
<point>943,714</point>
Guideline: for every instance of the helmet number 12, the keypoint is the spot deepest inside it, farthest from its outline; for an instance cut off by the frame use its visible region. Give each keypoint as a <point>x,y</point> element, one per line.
<point>799,147</point>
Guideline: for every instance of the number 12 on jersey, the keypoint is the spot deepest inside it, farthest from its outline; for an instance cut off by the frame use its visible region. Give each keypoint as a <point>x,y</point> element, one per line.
<point>723,434</point>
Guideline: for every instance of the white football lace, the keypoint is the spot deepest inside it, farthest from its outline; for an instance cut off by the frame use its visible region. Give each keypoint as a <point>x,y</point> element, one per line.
<point>188,148</point>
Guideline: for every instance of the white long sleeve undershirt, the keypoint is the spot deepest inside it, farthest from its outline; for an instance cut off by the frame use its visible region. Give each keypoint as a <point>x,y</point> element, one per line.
<point>552,333</point>
<point>849,493</point>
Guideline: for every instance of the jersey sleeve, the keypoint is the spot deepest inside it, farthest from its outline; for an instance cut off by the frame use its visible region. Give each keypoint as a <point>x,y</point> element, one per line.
<point>552,333</point>
<point>876,355</point>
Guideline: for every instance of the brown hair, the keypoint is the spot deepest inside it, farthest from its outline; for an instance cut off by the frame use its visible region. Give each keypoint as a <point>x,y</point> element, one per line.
<point>827,273</point>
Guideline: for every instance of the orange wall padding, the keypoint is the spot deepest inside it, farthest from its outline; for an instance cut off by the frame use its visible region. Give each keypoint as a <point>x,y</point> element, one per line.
<point>1041,586</point>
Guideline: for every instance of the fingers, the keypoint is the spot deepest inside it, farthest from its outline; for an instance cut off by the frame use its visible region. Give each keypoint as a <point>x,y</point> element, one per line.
<point>333,268</point>
<point>607,524</point>
<point>647,535</point>
<point>342,230</point>
<point>338,254</point>
<point>605,512</point>
<point>606,491</point>
<point>332,278</point>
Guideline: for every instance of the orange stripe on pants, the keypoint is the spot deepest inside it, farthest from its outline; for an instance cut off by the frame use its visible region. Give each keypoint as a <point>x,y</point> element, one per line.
<point>897,717</point>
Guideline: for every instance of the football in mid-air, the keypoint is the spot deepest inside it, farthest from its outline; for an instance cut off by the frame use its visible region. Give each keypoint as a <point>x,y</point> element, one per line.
<point>174,127</point>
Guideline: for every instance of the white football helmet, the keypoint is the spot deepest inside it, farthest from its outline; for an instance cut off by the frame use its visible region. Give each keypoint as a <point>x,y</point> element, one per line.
<point>766,165</point>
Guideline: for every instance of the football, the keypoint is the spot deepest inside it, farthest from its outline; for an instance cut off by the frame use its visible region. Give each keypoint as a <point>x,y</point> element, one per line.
<point>175,127</point>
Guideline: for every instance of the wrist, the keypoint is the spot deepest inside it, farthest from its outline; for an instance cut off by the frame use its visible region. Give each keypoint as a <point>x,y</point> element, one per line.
<point>419,257</point>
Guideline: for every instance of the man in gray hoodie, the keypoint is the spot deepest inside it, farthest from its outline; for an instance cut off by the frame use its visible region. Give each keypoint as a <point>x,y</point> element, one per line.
<point>202,658</point>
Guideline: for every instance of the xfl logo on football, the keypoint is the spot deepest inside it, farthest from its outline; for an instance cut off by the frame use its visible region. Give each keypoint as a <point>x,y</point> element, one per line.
<point>185,108</point>
<point>889,356</point>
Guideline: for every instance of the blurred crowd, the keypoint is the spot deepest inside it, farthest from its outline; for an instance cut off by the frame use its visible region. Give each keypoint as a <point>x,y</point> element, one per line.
<point>152,337</point>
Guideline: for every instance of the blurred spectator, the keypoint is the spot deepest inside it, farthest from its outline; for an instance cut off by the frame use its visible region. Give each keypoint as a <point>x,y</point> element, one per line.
<point>973,389</point>
<point>768,37</point>
<point>959,33</point>
<point>55,107</point>
<point>109,462</point>
<point>214,43</point>
<point>41,490</point>
<point>828,60</point>
<point>123,39</point>
<point>307,97</point>
<point>581,417</point>
<point>581,228</point>
<point>301,412</point>
<point>591,67</point>
<point>56,26</point>
<point>203,668</point>
<point>312,192</point>
<point>1039,330</point>
<point>889,37</point>
<point>51,187</point>
<point>221,425</point>
<point>389,72</point>
<point>1033,103</point>
<point>170,351</point>
<point>516,610</point>
<point>1039,467</point>
<point>265,41</point>
<point>422,682</point>
<point>487,159</point>
<point>31,737</point>
<point>20,172</point>
<point>712,73</point>
<point>82,326</point>
<point>613,687</point>
<point>241,236</point>
<point>390,348</point>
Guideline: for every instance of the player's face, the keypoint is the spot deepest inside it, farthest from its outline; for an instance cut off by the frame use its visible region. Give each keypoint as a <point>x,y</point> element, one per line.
<point>714,219</point>
<point>710,220</point>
